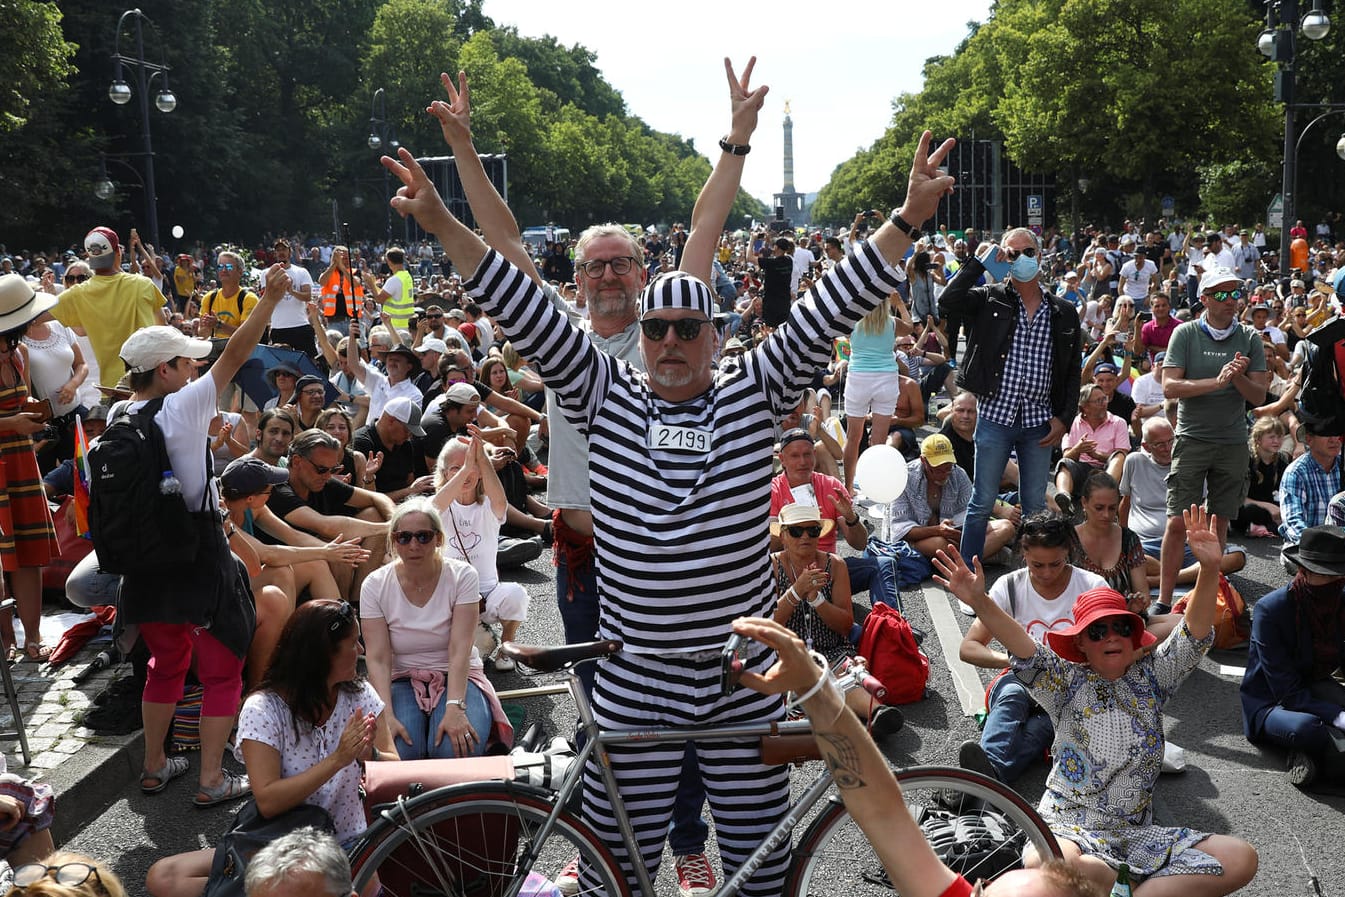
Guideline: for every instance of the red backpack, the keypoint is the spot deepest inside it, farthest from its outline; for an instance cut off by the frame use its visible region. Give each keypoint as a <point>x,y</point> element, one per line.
<point>894,658</point>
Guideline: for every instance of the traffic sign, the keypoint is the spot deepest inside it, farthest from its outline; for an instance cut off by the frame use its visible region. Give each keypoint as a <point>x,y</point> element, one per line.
<point>1275,211</point>
<point>1169,206</point>
<point>1036,208</point>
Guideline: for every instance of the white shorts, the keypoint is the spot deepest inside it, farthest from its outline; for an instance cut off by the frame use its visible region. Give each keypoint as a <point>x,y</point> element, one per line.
<point>507,601</point>
<point>872,393</point>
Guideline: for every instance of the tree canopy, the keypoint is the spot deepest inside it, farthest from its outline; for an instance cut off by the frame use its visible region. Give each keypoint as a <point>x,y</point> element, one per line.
<point>1144,98</point>
<point>275,108</point>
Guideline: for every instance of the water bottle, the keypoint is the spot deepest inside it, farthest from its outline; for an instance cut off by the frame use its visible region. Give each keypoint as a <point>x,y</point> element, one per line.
<point>170,485</point>
<point>1122,886</point>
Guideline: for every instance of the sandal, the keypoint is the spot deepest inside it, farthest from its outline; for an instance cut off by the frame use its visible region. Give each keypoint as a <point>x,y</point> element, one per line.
<point>233,787</point>
<point>174,767</point>
<point>37,652</point>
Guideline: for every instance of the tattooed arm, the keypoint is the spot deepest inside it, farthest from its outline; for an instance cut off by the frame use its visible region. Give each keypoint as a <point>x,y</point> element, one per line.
<point>867,786</point>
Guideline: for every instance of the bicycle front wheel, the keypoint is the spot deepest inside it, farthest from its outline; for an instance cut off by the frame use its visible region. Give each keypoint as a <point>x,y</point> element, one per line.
<point>978,827</point>
<point>475,840</point>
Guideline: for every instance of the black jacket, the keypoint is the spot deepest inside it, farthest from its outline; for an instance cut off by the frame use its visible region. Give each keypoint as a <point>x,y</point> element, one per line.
<point>992,315</point>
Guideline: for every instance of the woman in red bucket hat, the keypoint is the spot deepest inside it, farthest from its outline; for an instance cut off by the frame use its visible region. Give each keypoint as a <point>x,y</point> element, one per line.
<point>1104,690</point>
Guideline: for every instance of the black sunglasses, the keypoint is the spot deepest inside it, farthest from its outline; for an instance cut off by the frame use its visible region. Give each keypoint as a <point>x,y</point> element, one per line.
<point>323,471</point>
<point>76,278</point>
<point>345,613</point>
<point>1030,252</point>
<point>1096,632</point>
<point>1225,295</point>
<point>423,536</point>
<point>686,329</point>
<point>70,875</point>
<point>798,532</point>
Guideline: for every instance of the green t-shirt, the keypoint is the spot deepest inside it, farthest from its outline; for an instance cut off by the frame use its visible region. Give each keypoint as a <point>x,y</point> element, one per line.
<point>1219,416</point>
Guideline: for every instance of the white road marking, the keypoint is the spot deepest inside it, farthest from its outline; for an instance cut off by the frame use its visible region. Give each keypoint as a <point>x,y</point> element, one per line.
<point>966,678</point>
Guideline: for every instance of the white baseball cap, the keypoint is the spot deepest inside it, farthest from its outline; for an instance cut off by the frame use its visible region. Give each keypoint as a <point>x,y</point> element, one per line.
<point>150,347</point>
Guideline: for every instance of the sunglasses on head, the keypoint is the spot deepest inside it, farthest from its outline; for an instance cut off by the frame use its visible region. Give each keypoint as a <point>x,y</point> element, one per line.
<point>70,875</point>
<point>686,329</point>
<point>423,536</point>
<point>76,278</point>
<point>1225,295</point>
<point>798,532</point>
<point>345,613</point>
<point>1122,626</point>
<point>1030,252</point>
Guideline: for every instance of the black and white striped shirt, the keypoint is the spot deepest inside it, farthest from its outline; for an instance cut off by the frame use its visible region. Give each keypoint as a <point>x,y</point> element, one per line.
<point>681,539</point>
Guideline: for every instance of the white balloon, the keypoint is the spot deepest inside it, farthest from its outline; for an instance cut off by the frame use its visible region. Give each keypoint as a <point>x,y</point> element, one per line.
<point>178,232</point>
<point>881,473</point>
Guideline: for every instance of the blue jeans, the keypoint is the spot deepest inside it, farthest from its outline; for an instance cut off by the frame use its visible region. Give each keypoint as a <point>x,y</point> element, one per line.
<point>688,830</point>
<point>1016,732</point>
<point>994,443</point>
<point>423,727</point>
<point>1306,732</point>
<point>875,575</point>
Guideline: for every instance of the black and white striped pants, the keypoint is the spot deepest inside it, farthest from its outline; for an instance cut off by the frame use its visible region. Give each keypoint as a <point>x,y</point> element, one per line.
<point>746,797</point>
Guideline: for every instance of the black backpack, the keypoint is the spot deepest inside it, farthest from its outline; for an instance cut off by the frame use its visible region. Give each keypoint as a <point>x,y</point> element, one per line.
<point>136,526</point>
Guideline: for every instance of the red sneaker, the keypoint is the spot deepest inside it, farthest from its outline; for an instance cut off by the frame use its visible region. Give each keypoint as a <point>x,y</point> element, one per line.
<point>695,877</point>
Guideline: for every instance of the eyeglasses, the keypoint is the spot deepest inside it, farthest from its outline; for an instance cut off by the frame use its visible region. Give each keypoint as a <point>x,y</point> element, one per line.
<point>323,471</point>
<point>320,392</point>
<point>1096,632</point>
<point>687,329</point>
<point>423,536</point>
<point>228,266</point>
<point>1030,252</point>
<point>798,532</point>
<point>345,613</point>
<point>621,265</point>
<point>76,278</point>
<point>1225,295</point>
<point>68,874</point>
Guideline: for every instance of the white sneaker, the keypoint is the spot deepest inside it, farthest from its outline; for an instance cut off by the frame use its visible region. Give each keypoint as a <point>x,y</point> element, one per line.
<point>965,608</point>
<point>486,640</point>
<point>504,664</point>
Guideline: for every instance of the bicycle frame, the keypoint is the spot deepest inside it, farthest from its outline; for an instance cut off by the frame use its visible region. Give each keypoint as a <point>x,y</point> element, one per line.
<point>596,740</point>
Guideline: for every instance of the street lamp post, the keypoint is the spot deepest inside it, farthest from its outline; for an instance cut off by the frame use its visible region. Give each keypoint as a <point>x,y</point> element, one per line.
<point>1278,42</point>
<point>120,93</point>
<point>382,135</point>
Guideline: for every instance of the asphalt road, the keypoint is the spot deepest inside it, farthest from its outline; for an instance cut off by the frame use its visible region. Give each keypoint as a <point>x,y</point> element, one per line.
<point>1229,786</point>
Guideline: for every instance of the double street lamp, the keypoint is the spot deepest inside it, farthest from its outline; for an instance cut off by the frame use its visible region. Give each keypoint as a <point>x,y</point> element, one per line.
<point>1278,43</point>
<point>120,93</point>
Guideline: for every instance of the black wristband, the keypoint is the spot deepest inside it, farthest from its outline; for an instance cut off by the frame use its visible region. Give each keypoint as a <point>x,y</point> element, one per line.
<point>852,522</point>
<point>901,224</point>
<point>734,149</point>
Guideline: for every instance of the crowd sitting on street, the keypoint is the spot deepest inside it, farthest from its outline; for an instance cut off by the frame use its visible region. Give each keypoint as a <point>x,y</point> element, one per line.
<point>378,433</point>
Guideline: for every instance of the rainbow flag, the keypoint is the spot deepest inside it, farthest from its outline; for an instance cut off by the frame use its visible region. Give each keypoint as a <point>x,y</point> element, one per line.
<point>81,481</point>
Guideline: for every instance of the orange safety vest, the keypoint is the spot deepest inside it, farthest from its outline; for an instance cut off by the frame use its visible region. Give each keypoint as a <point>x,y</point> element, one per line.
<point>336,283</point>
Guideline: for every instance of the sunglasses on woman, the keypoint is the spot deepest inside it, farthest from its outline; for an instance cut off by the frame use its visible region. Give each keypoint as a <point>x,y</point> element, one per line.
<point>423,536</point>
<point>76,278</point>
<point>1097,632</point>
<point>798,532</point>
<point>686,329</point>
<point>345,613</point>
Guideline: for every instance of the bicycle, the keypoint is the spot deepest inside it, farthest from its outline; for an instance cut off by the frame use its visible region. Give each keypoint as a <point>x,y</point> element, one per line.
<point>505,838</point>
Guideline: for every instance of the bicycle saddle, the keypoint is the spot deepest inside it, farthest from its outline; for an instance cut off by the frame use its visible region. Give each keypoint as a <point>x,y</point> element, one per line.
<point>546,659</point>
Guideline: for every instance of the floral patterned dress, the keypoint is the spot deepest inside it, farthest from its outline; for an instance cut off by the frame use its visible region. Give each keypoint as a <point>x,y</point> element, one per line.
<point>1109,751</point>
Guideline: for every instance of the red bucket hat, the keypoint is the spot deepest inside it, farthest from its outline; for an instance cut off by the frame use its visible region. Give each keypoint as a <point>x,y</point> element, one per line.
<point>1091,606</point>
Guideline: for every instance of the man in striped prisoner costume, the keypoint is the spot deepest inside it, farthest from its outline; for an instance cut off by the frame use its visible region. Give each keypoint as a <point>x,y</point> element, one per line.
<point>680,467</point>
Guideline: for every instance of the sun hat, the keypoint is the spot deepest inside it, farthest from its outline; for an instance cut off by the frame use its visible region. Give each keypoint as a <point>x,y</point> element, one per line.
<point>20,303</point>
<point>1093,605</point>
<point>801,514</point>
<point>1218,276</point>
<point>282,368</point>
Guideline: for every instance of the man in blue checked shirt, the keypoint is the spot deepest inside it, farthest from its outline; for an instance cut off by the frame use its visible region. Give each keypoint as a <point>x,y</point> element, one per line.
<point>1308,484</point>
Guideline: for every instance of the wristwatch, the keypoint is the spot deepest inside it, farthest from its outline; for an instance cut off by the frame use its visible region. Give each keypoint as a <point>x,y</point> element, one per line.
<point>902,225</point>
<point>460,703</point>
<point>734,149</point>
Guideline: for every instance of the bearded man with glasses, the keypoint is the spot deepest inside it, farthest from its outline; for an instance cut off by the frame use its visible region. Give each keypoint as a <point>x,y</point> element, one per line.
<point>1213,367</point>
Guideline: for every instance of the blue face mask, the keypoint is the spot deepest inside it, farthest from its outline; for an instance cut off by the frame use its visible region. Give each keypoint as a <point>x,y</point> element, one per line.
<point>1024,268</point>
